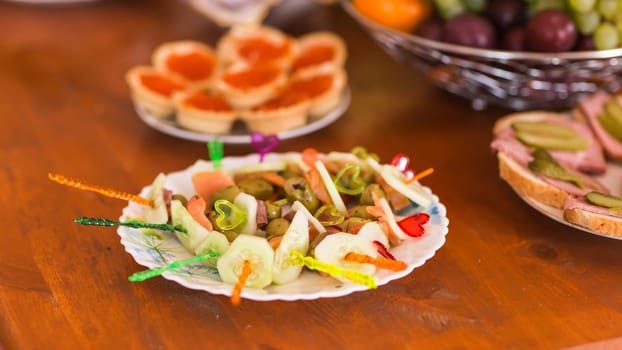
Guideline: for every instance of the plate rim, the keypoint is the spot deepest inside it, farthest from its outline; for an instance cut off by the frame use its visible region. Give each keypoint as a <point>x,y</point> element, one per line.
<point>170,127</point>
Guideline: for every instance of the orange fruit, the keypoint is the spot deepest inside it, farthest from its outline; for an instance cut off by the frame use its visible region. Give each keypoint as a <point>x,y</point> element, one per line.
<point>402,15</point>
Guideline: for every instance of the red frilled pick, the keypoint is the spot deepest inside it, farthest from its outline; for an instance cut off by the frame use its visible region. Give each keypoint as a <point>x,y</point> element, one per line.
<point>413,225</point>
<point>400,161</point>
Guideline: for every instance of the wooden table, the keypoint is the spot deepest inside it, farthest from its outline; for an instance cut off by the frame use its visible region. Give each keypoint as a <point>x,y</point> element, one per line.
<point>507,277</point>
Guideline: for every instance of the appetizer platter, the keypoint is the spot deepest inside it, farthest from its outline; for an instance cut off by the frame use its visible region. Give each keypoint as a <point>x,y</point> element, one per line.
<point>566,165</point>
<point>256,79</point>
<point>281,226</point>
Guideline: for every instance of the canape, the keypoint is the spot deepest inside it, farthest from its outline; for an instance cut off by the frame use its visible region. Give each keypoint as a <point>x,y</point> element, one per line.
<point>323,85</point>
<point>153,90</point>
<point>192,62</point>
<point>288,110</point>
<point>202,111</point>
<point>257,45</point>
<point>246,86</point>
<point>319,49</point>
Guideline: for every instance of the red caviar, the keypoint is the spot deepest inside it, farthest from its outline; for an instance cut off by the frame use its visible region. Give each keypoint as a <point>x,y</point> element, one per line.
<point>257,50</point>
<point>314,55</point>
<point>160,84</point>
<point>314,86</point>
<point>205,101</point>
<point>191,65</point>
<point>251,77</point>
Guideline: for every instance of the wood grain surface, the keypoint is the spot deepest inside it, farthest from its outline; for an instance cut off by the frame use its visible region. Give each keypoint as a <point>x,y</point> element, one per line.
<point>507,277</point>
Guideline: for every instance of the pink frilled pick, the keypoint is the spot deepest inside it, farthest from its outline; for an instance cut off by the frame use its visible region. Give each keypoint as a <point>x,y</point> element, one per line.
<point>401,161</point>
<point>264,143</point>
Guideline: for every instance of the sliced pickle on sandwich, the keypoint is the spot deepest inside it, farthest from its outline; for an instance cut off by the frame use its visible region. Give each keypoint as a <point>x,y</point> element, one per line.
<point>604,200</point>
<point>611,119</point>
<point>550,136</point>
<point>544,164</point>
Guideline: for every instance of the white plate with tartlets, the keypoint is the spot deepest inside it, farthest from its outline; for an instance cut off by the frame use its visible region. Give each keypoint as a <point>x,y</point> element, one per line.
<point>239,134</point>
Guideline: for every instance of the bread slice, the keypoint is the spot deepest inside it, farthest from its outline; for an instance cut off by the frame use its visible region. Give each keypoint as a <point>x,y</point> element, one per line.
<point>605,224</point>
<point>527,184</point>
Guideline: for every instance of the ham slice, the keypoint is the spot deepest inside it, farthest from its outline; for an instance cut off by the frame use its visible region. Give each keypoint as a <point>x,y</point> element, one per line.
<point>580,203</point>
<point>590,160</point>
<point>593,106</point>
<point>206,183</point>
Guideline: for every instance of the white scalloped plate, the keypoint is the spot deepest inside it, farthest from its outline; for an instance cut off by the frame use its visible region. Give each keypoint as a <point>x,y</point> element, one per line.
<point>151,251</point>
<point>239,133</point>
<point>612,180</point>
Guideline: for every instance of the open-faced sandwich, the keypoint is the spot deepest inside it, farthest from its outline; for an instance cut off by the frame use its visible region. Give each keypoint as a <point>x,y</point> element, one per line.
<point>558,159</point>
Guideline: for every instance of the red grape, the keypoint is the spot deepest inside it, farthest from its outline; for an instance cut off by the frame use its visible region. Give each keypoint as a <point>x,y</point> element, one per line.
<point>506,13</point>
<point>550,30</point>
<point>470,30</point>
<point>514,39</point>
<point>432,29</point>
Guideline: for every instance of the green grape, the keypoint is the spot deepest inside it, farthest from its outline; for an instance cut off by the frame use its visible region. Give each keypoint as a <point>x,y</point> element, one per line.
<point>606,36</point>
<point>607,8</point>
<point>586,22</point>
<point>581,6</point>
<point>449,8</point>
<point>476,6</point>
<point>537,6</point>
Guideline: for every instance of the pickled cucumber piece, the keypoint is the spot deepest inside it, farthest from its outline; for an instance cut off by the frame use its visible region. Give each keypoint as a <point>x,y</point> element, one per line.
<point>604,200</point>
<point>333,249</point>
<point>296,238</point>
<point>611,125</point>
<point>614,108</point>
<point>253,249</point>
<point>544,164</point>
<point>195,233</point>
<point>545,128</point>
<point>216,243</point>
<point>156,214</point>
<point>553,142</point>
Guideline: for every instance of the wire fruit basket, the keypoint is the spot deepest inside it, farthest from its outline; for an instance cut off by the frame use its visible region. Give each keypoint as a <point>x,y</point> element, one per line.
<point>510,79</point>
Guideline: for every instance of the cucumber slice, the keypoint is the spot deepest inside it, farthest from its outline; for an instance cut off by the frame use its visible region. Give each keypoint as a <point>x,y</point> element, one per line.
<point>412,191</point>
<point>604,200</point>
<point>248,204</point>
<point>254,249</point>
<point>274,166</point>
<point>611,125</point>
<point>334,195</point>
<point>156,214</point>
<point>545,128</point>
<point>195,232</point>
<point>215,242</point>
<point>296,238</point>
<point>333,248</point>
<point>552,142</point>
<point>372,231</point>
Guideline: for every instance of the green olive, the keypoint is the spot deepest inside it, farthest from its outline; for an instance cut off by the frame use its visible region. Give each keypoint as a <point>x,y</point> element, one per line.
<point>231,235</point>
<point>272,210</point>
<point>360,211</point>
<point>366,196</point>
<point>258,188</point>
<point>181,198</point>
<point>277,227</point>
<point>297,189</point>
<point>286,174</point>
<point>229,193</point>
<point>352,222</point>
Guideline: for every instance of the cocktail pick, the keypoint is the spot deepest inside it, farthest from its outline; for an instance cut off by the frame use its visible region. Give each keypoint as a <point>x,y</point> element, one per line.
<point>362,153</point>
<point>401,162</point>
<point>328,215</point>
<point>131,223</point>
<point>350,174</point>
<point>383,263</point>
<point>413,225</point>
<point>237,289</point>
<point>333,270</point>
<point>229,215</point>
<point>420,175</point>
<point>63,180</point>
<point>382,250</point>
<point>157,271</point>
<point>215,148</point>
<point>264,143</point>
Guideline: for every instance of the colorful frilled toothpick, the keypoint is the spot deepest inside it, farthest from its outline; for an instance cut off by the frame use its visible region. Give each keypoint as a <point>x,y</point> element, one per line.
<point>264,144</point>
<point>64,180</point>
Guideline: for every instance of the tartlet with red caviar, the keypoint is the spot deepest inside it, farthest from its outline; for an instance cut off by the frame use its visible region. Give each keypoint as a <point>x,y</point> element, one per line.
<point>192,62</point>
<point>245,86</point>
<point>202,111</point>
<point>322,85</point>
<point>153,90</point>
<point>257,46</point>
<point>319,49</point>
